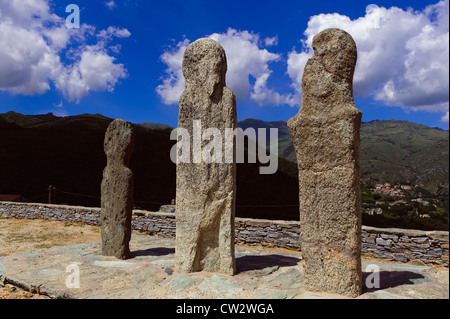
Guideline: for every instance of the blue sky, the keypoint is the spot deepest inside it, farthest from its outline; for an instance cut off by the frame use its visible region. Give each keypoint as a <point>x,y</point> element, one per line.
<point>125,60</point>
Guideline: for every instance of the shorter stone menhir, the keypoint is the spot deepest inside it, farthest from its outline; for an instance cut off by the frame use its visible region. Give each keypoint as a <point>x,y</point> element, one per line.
<point>117,190</point>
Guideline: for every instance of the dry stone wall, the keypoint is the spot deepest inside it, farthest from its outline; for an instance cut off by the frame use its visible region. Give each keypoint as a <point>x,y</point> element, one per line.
<point>400,245</point>
<point>403,245</point>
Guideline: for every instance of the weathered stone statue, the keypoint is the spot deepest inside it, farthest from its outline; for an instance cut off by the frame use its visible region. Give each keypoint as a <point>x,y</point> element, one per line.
<point>117,190</point>
<point>326,137</point>
<point>205,196</point>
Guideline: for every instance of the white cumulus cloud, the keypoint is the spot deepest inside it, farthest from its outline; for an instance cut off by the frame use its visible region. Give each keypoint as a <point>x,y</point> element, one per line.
<point>110,4</point>
<point>271,41</point>
<point>38,50</point>
<point>95,70</point>
<point>173,83</point>
<point>247,62</point>
<point>403,56</point>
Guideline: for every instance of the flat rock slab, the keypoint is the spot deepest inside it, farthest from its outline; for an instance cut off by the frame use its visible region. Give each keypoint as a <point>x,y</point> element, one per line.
<point>113,264</point>
<point>149,274</point>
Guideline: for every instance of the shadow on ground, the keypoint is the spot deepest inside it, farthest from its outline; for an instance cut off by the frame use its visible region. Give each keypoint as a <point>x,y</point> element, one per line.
<point>159,251</point>
<point>391,279</point>
<point>247,263</point>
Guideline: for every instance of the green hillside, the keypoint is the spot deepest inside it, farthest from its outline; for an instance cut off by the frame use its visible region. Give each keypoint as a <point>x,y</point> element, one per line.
<point>391,151</point>
<point>399,153</point>
<point>406,153</point>
<point>285,146</point>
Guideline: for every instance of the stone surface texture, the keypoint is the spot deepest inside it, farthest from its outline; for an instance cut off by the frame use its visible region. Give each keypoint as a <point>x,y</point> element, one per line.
<point>205,196</point>
<point>325,133</point>
<point>261,275</point>
<point>117,190</point>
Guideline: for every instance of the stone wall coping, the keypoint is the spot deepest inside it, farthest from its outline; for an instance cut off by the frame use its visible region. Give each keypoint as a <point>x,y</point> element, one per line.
<point>267,222</point>
<point>136,212</point>
<point>69,207</point>
<point>145,213</point>
<point>435,234</point>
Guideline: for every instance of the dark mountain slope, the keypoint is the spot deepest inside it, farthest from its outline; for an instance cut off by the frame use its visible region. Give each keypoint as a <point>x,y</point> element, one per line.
<point>67,152</point>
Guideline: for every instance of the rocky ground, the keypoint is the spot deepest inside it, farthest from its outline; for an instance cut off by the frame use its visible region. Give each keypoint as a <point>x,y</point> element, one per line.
<point>36,252</point>
<point>21,235</point>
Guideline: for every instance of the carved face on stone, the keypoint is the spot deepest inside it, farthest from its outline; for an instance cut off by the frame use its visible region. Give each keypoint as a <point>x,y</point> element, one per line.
<point>119,142</point>
<point>329,72</point>
<point>205,65</point>
<point>337,50</point>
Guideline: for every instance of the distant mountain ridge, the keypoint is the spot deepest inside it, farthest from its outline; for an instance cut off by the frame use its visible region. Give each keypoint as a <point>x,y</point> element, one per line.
<point>391,151</point>
<point>285,147</point>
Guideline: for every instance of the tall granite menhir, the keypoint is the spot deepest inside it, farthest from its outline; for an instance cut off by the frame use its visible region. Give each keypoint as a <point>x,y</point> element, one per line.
<point>325,133</point>
<point>117,190</point>
<point>205,195</point>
